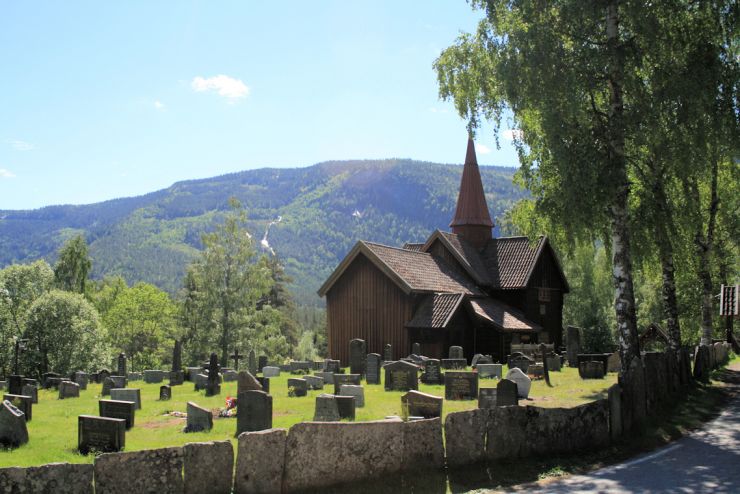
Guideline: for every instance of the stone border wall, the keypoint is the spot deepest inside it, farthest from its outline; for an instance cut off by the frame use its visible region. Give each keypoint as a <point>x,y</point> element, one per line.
<point>314,455</point>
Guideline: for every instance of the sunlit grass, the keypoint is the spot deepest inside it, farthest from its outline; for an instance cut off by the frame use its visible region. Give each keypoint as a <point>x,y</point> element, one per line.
<point>53,430</point>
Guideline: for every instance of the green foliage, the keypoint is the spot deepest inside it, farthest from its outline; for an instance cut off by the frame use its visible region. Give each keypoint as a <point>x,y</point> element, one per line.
<point>73,265</point>
<point>306,349</point>
<point>64,334</point>
<point>141,322</point>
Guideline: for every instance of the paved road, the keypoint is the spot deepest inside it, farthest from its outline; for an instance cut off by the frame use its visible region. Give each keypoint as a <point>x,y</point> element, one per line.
<point>707,460</point>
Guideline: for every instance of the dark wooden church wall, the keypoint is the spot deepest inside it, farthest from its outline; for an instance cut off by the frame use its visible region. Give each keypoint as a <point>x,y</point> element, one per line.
<point>365,304</point>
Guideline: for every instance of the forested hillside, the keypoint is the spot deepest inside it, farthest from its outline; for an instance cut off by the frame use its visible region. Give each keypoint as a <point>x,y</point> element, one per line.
<point>322,210</point>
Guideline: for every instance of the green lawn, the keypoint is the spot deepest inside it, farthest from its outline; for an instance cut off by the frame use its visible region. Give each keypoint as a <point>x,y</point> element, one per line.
<point>53,430</point>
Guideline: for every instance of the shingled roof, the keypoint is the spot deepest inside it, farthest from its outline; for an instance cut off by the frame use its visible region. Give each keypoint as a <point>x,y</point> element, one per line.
<point>510,261</point>
<point>467,255</point>
<point>436,310</point>
<point>412,271</point>
<point>413,246</point>
<point>472,208</point>
<point>502,316</point>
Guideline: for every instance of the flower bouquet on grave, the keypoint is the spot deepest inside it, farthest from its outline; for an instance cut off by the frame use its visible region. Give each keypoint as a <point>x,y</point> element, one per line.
<point>230,410</point>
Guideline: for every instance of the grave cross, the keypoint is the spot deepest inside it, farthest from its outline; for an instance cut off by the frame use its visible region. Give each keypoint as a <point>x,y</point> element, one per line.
<point>236,358</point>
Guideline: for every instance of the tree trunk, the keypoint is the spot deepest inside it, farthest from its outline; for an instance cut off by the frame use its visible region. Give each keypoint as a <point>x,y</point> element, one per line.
<point>704,247</point>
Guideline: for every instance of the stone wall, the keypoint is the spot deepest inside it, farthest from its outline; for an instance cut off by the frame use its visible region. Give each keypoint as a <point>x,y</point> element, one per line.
<point>314,455</point>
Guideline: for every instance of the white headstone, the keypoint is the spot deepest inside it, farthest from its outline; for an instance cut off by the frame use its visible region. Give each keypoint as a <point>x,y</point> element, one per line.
<point>523,383</point>
<point>269,371</point>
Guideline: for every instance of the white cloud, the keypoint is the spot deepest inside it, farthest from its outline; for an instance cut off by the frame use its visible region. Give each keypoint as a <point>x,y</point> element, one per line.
<point>19,145</point>
<point>513,134</point>
<point>159,105</point>
<point>6,173</point>
<point>228,87</point>
<point>482,149</point>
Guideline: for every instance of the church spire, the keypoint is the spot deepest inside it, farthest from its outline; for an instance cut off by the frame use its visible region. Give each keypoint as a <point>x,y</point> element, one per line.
<point>472,219</point>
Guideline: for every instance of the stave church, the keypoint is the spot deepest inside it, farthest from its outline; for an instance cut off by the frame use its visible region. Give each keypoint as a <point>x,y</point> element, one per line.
<point>463,287</point>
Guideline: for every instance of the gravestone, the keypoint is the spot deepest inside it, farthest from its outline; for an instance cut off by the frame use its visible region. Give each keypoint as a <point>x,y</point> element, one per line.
<point>118,409</point>
<point>201,381</point>
<point>328,377</point>
<point>247,382</point>
<point>317,365</point>
<point>177,378</point>
<point>13,430</point>
<point>15,384</point>
<point>261,362</point>
<point>199,418</point>
<point>487,398</point>
<point>118,381</point>
<point>127,394</point>
<point>372,368</point>
<point>326,409</point>
<point>432,372</point>
<point>591,370</point>
<point>100,434</point>
<point>121,365</point>
<point>3,385</point>
<point>401,376</point>
<point>269,371</point>
<point>523,383</point>
<point>521,362</point>
<point>418,404</point>
<point>357,356</point>
<point>192,372</point>
<point>107,386</point>
<point>614,363</point>
<point>454,363</point>
<point>456,352</point>
<point>80,378</point>
<point>213,387</point>
<point>346,407</point>
<point>554,363</point>
<point>264,382</point>
<point>340,379</point>
<point>253,412</point>
<point>594,357</point>
<point>24,403</point>
<point>352,390</point>
<point>461,385</point>
<point>32,391</point>
<point>152,376</point>
<point>297,387</point>
<point>177,357</point>
<point>27,381</point>
<point>388,352</point>
<point>300,367</point>
<point>252,362</point>
<point>507,393</point>
<point>314,382</point>
<point>68,389</point>
<point>102,374</point>
<point>490,371</point>
<point>573,345</point>
<point>536,371</point>
<point>416,349</point>
<point>481,359</point>
<point>134,376</point>
<point>230,375</point>
<point>331,366</point>
<point>284,367</point>
<point>165,393</point>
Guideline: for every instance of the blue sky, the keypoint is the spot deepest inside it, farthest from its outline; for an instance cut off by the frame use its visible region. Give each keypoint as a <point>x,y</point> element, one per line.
<point>111,99</point>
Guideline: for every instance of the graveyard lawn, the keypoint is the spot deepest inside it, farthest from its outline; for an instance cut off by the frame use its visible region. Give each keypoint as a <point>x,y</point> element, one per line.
<point>53,430</point>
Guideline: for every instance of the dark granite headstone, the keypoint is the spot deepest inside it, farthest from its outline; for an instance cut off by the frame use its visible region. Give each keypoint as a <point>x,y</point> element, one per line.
<point>346,406</point>
<point>373,368</point>
<point>214,386</point>
<point>418,404</point>
<point>80,378</point>
<point>416,349</point>
<point>521,362</point>
<point>122,371</point>
<point>326,409</point>
<point>506,393</point>
<point>252,362</point>
<point>101,434</point>
<point>118,409</point>
<point>432,372</point>
<point>314,382</point>
<point>245,381</point>
<point>357,356</point>
<point>573,345</point>
<point>153,376</point>
<point>15,384</point>
<point>481,359</point>
<point>165,393</point>
<point>593,357</point>
<point>13,430</point>
<point>461,385</point>
<point>177,378</point>
<point>487,398</point>
<point>456,352</point>
<point>454,363</point>
<point>32,391</point>
<point>102,374</point>
<point>24,403</point>
<point>127,394</point>
<point>177,357</point>
<point>340,379</point>
<point>68,389</point>
<point>253,412</point>
<point>591,370</point>
<point>297,387</point>
<point>388,353</point>
<point>44,378</point>
<point>199,418</point>
<point>401,376</point>
<point>300,367</point>
<point>331,365</point>
<point>265,383</point>
<point>261,362</point>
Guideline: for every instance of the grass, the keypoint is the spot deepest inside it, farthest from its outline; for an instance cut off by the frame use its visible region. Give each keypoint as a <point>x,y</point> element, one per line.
<point>53,430</point>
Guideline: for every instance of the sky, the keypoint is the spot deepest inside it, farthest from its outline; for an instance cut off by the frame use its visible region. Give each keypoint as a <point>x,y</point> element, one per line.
<point>101,100</point>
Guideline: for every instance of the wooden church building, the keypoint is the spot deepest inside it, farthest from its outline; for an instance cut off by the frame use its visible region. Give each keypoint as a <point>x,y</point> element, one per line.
<point>461,288</point>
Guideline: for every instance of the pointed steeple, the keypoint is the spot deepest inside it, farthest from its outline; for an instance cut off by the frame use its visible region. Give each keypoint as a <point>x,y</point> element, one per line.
<point>472,219</point>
